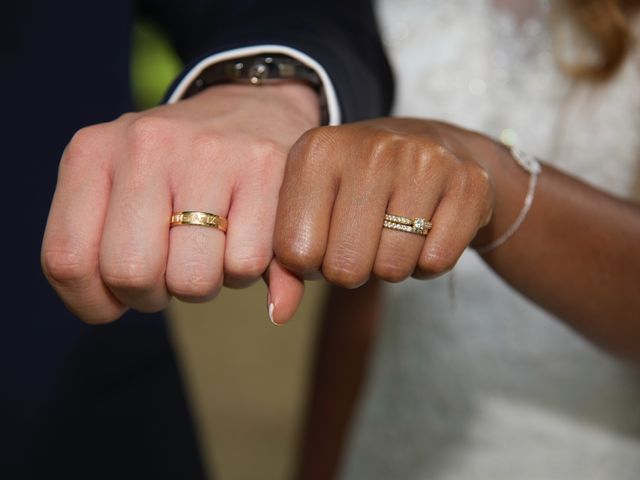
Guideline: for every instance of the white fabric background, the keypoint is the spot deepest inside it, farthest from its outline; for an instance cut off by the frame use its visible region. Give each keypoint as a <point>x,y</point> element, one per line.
<point>469,380</point>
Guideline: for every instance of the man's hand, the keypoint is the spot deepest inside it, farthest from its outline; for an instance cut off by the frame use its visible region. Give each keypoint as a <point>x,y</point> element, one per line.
<point>108,246</point>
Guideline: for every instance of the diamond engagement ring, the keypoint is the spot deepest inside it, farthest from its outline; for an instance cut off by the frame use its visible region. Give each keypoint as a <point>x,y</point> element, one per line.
<point>419,226</point>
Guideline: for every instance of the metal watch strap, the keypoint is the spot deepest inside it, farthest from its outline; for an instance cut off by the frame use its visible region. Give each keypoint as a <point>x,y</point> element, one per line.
<point>261,70</point>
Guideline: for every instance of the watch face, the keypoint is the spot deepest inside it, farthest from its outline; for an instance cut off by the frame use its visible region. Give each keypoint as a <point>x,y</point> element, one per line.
<point>258,71</point>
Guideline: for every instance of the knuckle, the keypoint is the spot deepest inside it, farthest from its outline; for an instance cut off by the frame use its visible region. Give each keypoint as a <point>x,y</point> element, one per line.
<point>434,160</point>
<point>386,150</point>
<point>313,146</point>
<point>428,152</point>
<point>345,271</point>
<point>481,181</point>
<point>437,260</point>
<point>149,132</point>
<point>246,267</point>
<point>298,256</point>
<point>317,138</point>
<point>472,182</point>
<point>147,136</point>
<point>268,159</point>
<point>208,145</point>
<point>85,138</point>
<point>151,126</point>
<point>389,140</point>
<point>134,275</point>
<point>99,316</point>
<point>83,145</point>
<point>386,141</point>
<point>392,270</point>
<point>344,276</point>
<point>267,150</point>
<point>65,266</point>
<point>441,151</point>
<point>193,282</point>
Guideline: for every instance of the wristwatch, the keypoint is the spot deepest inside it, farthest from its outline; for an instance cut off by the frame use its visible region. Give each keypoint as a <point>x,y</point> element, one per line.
<point>259,70</point>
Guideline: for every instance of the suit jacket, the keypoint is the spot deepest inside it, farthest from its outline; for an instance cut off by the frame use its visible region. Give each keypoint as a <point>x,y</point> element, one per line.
<point>107,402</point>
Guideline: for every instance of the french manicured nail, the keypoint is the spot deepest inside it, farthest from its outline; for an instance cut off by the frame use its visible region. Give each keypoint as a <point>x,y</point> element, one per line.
<point>271,308</point>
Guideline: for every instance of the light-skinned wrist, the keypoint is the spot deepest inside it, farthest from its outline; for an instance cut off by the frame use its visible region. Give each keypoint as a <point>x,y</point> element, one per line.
<point>294,96</point>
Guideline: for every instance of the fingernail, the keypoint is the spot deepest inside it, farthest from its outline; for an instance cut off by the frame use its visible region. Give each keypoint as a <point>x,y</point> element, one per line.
<point>271,308</point>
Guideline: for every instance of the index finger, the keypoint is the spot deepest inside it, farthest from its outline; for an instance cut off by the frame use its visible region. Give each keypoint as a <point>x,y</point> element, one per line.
<point>71,242</point>
<point>305,204</point>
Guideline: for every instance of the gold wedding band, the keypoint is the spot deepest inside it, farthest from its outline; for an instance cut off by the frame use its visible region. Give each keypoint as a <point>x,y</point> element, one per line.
<point>419,226</point>
<point>202,219</point>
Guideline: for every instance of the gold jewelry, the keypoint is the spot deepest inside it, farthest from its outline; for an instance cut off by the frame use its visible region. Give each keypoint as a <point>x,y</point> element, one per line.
<point>202,219</point>
<point>419,226</point>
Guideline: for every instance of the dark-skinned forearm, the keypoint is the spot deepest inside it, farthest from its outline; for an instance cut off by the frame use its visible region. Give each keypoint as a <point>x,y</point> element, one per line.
<point>347,333</point>
<point>577,254</point>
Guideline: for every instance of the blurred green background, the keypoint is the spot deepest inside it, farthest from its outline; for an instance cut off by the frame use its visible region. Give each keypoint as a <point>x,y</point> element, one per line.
<point>154,64</point>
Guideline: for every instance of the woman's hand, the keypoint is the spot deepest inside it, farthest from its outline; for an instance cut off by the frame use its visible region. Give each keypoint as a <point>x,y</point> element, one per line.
<point>576,255</point>
<point>340,181</point>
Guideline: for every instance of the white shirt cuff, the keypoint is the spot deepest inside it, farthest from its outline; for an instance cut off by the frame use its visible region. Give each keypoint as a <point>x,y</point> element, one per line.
<point>332,99</point>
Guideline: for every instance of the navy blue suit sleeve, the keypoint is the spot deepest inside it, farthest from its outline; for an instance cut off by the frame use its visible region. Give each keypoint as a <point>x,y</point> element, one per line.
<point>342,36</point>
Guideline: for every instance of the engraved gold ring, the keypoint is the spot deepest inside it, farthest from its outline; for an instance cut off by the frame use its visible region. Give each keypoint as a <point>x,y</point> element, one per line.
<point>202,219</point>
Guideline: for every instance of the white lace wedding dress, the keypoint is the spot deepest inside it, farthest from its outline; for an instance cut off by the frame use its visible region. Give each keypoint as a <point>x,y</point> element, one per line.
<point>469,380</point>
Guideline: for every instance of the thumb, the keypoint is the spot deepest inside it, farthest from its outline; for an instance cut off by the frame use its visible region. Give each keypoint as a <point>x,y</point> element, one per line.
<point>285,292</point>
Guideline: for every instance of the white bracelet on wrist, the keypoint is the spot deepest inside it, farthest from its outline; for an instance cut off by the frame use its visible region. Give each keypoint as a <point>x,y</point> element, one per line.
<point>530,164</point>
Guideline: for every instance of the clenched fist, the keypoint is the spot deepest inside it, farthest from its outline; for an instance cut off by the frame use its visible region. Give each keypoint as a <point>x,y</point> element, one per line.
<point>108,245</point>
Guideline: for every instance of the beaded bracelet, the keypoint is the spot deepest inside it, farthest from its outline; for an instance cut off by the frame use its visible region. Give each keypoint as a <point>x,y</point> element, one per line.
<point>530,164</point>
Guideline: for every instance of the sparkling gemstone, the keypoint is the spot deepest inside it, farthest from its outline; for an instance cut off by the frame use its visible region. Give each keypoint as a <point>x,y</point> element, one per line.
<point>419,224</point>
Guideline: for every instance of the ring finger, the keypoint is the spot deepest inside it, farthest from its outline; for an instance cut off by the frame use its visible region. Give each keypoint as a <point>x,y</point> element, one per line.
<point>196,253</point>
<point>399,251</point>
<point>354,234</point>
